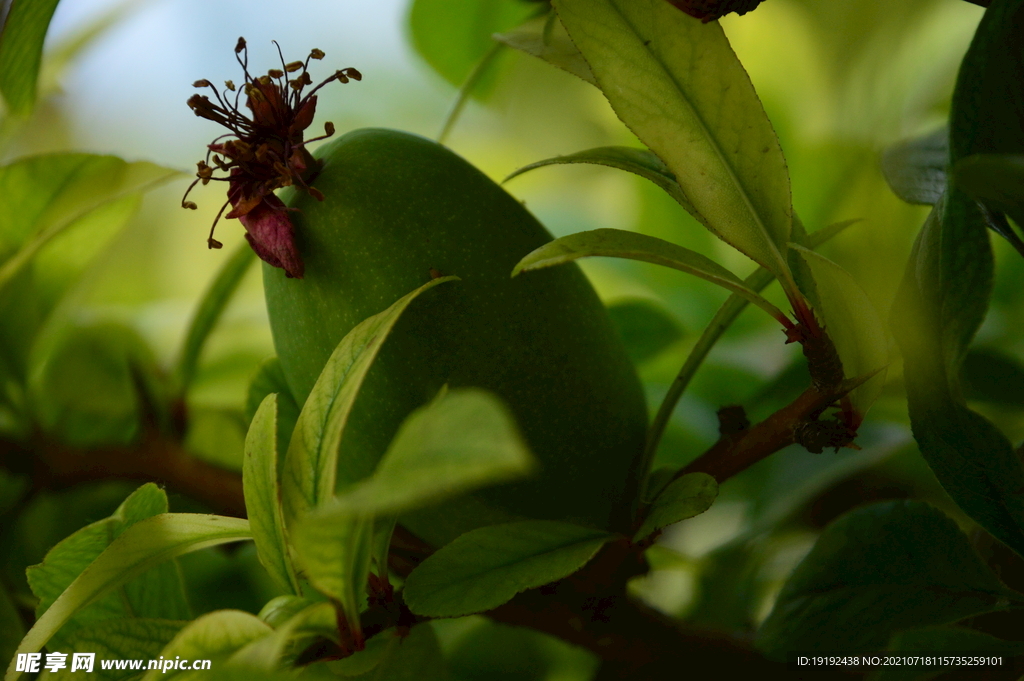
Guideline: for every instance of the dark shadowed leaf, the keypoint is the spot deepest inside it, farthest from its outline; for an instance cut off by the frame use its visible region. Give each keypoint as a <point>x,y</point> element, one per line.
<point>990,376</point>
<point>945,640</point>
<point>875,571</point>
<point>488,566</point>
<point>941,302</point>
<point>21,52</point>
<point>997,180</point>
<point>645,327</point>
<point>916,169</point>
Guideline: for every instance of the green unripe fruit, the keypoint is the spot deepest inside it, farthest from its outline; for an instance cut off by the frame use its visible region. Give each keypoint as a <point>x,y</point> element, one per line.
<point>399,209</point>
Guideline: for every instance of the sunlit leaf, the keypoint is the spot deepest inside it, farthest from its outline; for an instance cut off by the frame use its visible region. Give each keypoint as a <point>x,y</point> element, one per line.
<point>853,324</point>
<point>263,495</point>
<point>619,243</point>
<point>640,162</point>
<point>43,195</point>
<point>145,544</point>
<point>214,636</point>
<point>310,468</point>
<point>210,309</point>
<point>545,38</point>
<point>486,567</point>
<point>318,620</point>
<point>875,571</point>
<point>21,51</point>
<point>680,88</point>
<point>690,495</point>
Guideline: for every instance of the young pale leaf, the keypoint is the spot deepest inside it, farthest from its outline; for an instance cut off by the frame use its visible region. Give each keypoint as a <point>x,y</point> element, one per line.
<point>158,593</point>
<point>875,571</point>
<point>263,495</point>
<point>927,640</point>
<point>997,180</point>
<point>212,305</point>
<point>640,162</point>
<point>21,52</point>
<point>280,609</point>
<point>269,379</point>
<point>940,304</point>
<point>916,169</point>
<point>275,651</point>
<point>486,567</point>
<point>545,38</point>
<point>310,468</point>
<point>145,544</point>
<point>213,636</point>
<point>463,440</point>
<point>45,194</point>
<point>853,324</point>
<point>690,495</point>
<point>117,639</point>
<point>334,554</point>
<point>453,35</point>
<point>677,84</point>
<point>617,243</point>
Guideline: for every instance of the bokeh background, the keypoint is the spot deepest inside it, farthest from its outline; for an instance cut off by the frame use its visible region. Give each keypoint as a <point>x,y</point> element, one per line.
<point>840,80</point>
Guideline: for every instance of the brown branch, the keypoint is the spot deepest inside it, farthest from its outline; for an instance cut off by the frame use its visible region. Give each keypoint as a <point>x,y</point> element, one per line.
<point>155,458</point>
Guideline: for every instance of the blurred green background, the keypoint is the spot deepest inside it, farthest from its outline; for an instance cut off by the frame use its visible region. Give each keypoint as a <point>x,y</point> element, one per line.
<point>840,80</point>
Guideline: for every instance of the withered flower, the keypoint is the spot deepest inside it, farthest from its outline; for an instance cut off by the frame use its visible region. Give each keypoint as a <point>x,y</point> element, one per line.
<point>264,152</point>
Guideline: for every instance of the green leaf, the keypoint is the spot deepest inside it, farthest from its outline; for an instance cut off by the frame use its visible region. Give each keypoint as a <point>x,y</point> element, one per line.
<point>416,657</point>
<point>488,566</point>
<point>990,376</point>
<point>875,571</point>
<point>94,384</point>
<point>453,35</point>
<point>280,609</point>
<point>853,325</point>
<point>21,52</point>
<point>690,495</point>
<point>940,304</point>
<point>263,495</point>
<point>210,309</point>
<point>214,636</point>
<point>640,162</point>
<point>545,38</point>
<point>269,379</point>
<point>617,243</point>
<point>916,168</point>
<point>676,83</point>
<point>311,465</point>
<point>646,328</point>
<point>997,180</point>
<point>118,639</point>
<point>44,195</point>
<point>951,640</point>
<point>145,544</point>
<point>463,440</point>
<point>989,94</point>
<point>334,554</point>
<point>157,594</point>
<point>278,650</point>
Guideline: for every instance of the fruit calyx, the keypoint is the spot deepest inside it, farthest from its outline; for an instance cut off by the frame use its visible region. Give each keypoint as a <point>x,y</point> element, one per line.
<point>268,151</point>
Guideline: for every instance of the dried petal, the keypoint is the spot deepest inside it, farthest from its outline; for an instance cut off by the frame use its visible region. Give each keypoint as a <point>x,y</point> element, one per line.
<point>270,233</point>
